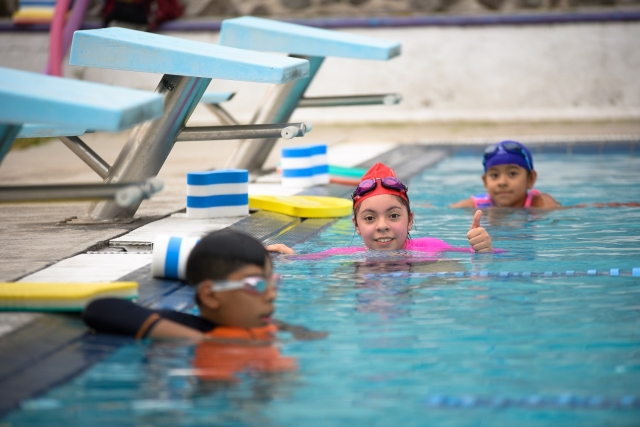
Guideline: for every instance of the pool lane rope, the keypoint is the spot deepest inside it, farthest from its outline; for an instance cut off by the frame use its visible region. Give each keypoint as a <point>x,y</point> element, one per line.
<point>615,272</point>
<point>635,272</point>
<point>534,401</point>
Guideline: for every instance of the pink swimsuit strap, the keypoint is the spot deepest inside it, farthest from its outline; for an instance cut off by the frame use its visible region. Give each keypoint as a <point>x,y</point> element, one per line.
<point>484,201</point>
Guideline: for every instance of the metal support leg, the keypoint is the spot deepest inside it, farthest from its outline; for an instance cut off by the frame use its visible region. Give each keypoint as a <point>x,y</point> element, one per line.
<point>87,155</point>
<point>223,115</point>
<point>151,142</point>
<point>282,101</point>
<point>8,134</point>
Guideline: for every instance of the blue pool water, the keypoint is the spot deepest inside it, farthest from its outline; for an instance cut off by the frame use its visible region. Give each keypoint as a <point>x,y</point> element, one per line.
<point>419,349</point>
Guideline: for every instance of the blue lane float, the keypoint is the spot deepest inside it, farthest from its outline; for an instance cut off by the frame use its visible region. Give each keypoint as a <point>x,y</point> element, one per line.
<point>297,167</point>
<point>304,166</point>
<point>320,164</point>
<point>218,193</point>
<point>170,254</point>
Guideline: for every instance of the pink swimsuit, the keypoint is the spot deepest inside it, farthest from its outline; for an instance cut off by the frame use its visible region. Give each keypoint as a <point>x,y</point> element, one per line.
<point>421,244</point>
<point>484,201</point>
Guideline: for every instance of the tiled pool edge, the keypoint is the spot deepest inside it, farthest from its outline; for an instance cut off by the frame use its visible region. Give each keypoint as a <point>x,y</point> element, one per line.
<point>576,144</point>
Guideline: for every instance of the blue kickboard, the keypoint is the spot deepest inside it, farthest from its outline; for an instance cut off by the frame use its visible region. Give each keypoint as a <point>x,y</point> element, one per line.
<point>253,33</point>
<point>27,97</point>
<point>216,97</point>
<point>124,49</point>
<point>32,130</point>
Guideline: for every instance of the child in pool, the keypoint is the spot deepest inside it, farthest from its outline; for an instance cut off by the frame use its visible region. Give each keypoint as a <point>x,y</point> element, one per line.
<point>235,292</point>
<point>509,178</point>
<point>383,218</point>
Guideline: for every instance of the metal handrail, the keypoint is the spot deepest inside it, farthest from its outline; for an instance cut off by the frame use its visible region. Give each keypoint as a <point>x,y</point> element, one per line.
<point>124,194</point>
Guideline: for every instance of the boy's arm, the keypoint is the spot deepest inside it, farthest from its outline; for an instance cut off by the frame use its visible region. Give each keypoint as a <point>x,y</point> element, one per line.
<point>299,332</point>
<point>122,317</point>
<point>167,329</point>
<point>466,203</point>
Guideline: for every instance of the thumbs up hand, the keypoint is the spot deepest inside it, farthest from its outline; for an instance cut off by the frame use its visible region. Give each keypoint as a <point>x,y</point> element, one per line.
<point>478,237</point>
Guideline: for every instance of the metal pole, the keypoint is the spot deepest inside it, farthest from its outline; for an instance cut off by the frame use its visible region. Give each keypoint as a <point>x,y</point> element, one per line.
<point>278,108</point>
<point>210,133</point>
<point>343,101</point>
<point>223,115</point>
<point>151,142</point>
<point>86,154</point>
<point>123,194</point>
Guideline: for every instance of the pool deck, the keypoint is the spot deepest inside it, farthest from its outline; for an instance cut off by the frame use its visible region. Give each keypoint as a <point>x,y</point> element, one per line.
<point>35,238</point>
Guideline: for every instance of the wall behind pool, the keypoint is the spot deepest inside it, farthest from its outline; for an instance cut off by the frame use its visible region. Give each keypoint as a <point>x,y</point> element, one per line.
<point>565,71</point>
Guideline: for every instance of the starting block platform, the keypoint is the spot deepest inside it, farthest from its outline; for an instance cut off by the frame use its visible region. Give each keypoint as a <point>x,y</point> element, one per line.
<point>311,43</point>
<point>268,35</point>
<point>123,49</point>
<point>35,98</point>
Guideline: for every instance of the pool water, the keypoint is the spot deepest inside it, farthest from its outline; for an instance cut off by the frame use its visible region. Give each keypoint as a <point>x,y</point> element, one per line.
<point>408,346</point>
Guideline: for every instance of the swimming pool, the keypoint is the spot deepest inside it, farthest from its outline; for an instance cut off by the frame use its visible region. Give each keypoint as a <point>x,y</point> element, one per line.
<point>409,346</point>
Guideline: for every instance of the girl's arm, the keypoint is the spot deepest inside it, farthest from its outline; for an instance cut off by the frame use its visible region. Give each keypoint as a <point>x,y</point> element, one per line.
<point>478,237</point>
<point>281,248</point>
<point>466,203</point>
<point>544,201</point>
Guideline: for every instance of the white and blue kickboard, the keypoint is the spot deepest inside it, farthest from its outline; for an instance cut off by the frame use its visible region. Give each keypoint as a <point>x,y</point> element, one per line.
<point>297,166</point>
<point>218,193</point>
<point>320,164</point>
<point>170,254</point>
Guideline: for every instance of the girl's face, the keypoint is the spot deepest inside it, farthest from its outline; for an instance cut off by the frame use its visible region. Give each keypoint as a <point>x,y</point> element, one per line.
<point>383,222</point>
<point>508,184</point>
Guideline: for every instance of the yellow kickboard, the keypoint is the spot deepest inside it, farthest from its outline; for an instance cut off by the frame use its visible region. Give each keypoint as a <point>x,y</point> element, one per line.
<point>60,296</point>
<point>303,206</point>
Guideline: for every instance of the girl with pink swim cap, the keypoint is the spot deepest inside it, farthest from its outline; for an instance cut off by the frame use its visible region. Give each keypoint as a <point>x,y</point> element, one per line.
<point>383,218</point>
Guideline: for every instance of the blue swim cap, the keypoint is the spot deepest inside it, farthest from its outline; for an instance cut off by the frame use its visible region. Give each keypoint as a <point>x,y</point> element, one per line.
<point>507,152</point>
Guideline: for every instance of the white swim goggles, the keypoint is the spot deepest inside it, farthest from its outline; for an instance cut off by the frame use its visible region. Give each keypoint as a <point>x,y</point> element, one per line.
<point>253,284</point>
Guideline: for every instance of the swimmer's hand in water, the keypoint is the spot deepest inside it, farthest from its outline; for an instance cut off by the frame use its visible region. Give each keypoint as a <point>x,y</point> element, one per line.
<point>281,248</point>
<point>300,332</point>
<point>478,237</point>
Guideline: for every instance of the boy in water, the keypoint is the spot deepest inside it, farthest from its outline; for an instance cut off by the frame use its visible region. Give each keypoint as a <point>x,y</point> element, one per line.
<point>509,178</point>
<point>235,289</point>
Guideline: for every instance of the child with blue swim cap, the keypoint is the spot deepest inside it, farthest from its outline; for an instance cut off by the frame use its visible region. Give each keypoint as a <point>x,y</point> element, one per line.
<point>509,178</point>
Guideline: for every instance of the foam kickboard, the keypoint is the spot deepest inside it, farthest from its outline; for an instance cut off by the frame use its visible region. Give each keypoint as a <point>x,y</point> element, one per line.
<point>41,296</point>
<point>302,206</point>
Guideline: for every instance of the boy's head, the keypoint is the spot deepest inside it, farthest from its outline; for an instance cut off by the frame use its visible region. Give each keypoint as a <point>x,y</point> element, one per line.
<point>508,152</point>
<point>381,211</point>
<point>234,279</point>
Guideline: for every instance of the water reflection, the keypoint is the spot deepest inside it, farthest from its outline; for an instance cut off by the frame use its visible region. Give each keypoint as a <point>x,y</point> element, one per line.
<point>389,298</point>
